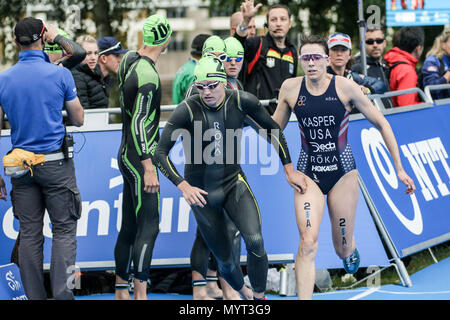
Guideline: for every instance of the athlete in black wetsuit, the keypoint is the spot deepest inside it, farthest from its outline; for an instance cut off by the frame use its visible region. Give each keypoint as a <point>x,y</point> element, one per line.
<point>140,98</point>
<point>209,124</point>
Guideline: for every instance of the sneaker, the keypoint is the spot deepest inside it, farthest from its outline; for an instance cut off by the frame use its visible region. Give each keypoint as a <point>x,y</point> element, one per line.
<point>351,263</point>
<point>263,298</point>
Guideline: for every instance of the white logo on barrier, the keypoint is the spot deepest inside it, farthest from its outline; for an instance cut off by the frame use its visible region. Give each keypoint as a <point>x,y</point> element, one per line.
<point>428,152</point>
<point>13,284</point>
<point>373,146</point>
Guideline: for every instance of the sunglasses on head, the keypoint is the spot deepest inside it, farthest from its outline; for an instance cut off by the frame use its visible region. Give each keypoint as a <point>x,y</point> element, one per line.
<point>210,86</point>
<point>314,56</point>
<point>117,46</point>
<point>377,40</point>
<point>237,59</point>
<point>222,57</point>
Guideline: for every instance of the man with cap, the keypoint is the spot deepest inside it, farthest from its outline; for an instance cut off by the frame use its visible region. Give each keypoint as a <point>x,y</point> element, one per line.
<point>32,94</point>
<point>185,75</point>
<point>109,55</point>
<point>140,101</point>
<point>214,185</point>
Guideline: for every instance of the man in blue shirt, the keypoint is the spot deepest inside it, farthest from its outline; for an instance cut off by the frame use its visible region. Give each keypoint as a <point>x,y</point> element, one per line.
<point>32,94</point>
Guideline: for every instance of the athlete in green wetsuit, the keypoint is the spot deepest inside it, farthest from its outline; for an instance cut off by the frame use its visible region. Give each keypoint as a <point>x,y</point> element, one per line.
<point>214,184</point>
<point>140,98</point>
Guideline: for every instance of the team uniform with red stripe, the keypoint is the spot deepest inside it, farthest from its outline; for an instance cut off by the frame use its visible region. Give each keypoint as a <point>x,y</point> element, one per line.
<point>267,66</point>
<point>323,121</point>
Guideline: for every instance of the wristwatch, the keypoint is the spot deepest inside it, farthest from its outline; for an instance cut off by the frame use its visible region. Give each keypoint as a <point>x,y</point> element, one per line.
<point>242,28</point>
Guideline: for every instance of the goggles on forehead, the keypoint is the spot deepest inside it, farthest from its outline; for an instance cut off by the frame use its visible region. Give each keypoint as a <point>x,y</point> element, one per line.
<point>306,57</point>
<point>222,57</point>
<point>117,46</point>
<point>210,86</point>
<point>237,59</point>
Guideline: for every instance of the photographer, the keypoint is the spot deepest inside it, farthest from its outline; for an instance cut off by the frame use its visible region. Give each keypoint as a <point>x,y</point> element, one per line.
<point>32,94</point>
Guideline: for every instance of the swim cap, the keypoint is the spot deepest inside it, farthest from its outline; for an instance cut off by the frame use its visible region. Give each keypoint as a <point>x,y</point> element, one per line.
<point>211,69</point>
<point>234,47</point>
<point>156,31</point>
<point>214,44</point>
<point>56,48</point>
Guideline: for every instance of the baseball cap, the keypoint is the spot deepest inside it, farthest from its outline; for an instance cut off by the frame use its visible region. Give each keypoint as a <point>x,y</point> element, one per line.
<point>29,30</point>
<point>109,45</point>
<point>339,39</point>
<point>156,31</point>
<point>54,47</point>
<point>210,68</point>
<point>234,47</point>
<point>197,43</point>
<point>214,44</point>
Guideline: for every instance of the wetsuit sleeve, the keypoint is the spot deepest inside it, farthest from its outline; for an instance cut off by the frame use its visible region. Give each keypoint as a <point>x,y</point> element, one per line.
<point>144,123</point>
<point>75,54</point>
<point>260,119</point>
<point>174,127</point>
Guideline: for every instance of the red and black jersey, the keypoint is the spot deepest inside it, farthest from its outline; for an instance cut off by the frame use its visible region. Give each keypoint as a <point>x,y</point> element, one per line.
<point>267,66</point>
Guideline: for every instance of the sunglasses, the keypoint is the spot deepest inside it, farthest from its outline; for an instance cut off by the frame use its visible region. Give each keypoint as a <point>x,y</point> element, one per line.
<point>222,57</point>
<point>377,40</point>
<point>306,57</point>
<point>117,46</point>
<point>237,59</point>
<point>210,86</point>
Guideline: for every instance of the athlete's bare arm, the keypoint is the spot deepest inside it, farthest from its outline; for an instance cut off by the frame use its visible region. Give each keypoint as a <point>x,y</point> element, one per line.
<point>350,93</point>
<point>286,100</point>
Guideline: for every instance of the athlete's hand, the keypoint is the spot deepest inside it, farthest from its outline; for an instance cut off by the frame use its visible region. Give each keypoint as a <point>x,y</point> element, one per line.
<point>151,183</point>
<point>51,33</point>
<point>249,10</point>
<point>409,183</point>
<point>2,189</point>
<point>295,178</point>
<point>193,195</point>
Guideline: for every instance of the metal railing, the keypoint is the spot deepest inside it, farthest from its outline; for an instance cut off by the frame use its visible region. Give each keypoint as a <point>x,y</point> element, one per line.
<point>436,87</point>
<point>377,98</point>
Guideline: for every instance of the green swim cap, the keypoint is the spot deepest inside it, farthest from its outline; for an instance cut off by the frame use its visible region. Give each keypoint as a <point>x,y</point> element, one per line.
<point>156,31</point>
<point>234,47</point>
<point>214,44</point>
<point>211,69</point>
<point>55,48</point>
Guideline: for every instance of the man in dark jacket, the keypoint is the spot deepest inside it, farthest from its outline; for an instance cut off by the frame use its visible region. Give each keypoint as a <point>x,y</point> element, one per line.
<point>271,58</point>
<point>377,67</point>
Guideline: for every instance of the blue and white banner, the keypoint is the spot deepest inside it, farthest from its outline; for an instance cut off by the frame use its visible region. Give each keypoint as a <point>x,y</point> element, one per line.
<point>417,12</point>
<point>11,287</point>
<point>421,220</point>
<point>101,183</point>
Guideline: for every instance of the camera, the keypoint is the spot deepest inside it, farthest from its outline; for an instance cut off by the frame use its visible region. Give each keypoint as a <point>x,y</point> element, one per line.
<point>67,146</point>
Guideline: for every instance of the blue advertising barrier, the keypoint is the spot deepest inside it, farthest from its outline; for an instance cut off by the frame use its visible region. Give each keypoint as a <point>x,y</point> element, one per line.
<point>421,220</point>
<point>11,287</point>
<point>100,184</point>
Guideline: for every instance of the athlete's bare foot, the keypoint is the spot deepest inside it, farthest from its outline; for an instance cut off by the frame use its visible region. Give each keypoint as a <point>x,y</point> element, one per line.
<point>200,293</point>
